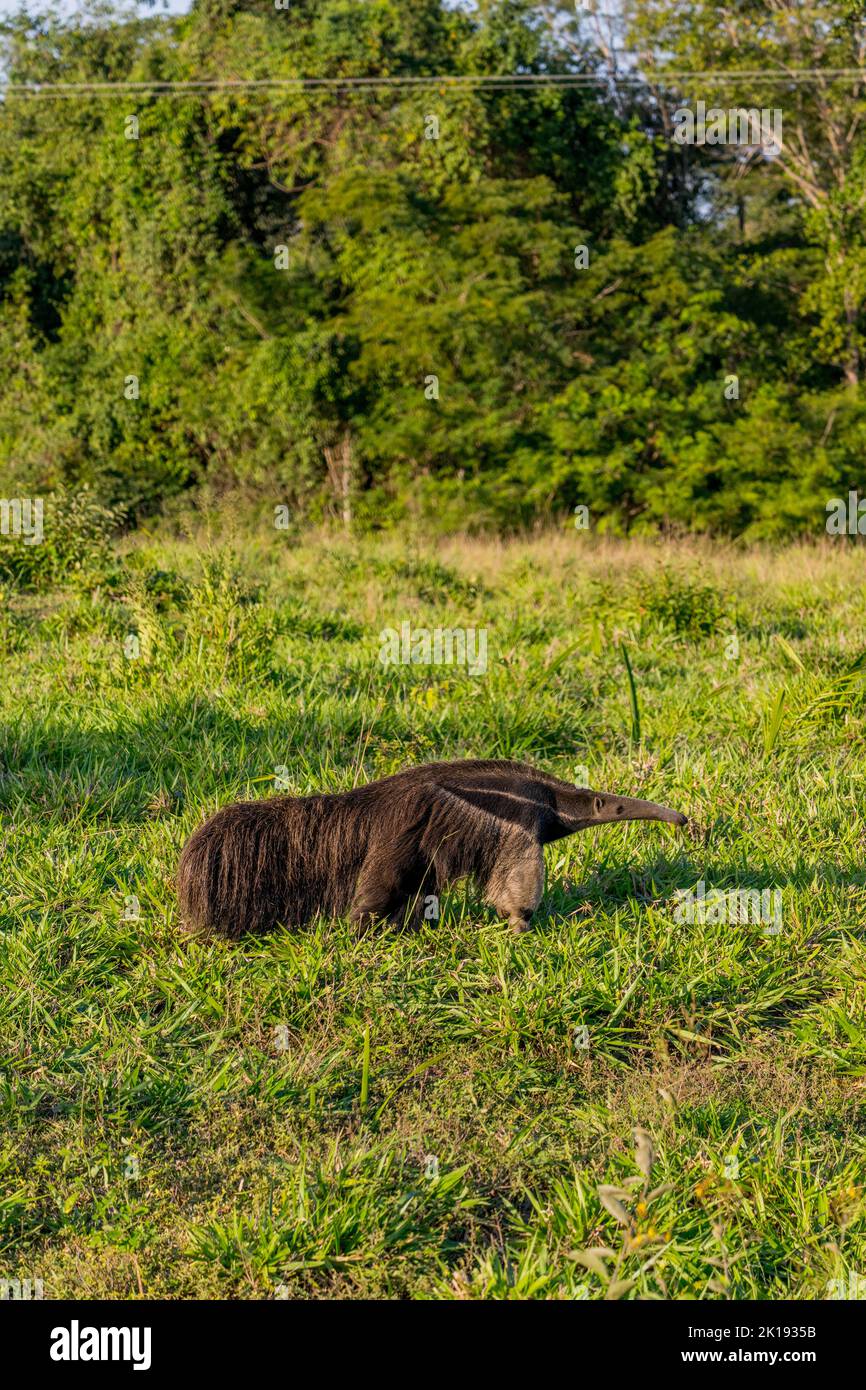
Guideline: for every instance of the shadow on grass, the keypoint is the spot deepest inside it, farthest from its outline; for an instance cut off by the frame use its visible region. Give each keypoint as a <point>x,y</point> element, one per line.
<point>195,749</point>
<point>665,875</point>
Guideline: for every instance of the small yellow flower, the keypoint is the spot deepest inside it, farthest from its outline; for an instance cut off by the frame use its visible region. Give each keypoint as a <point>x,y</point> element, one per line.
<point>641,1208</point>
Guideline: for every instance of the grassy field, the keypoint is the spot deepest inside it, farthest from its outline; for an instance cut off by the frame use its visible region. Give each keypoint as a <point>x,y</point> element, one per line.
<point>432,1114</point>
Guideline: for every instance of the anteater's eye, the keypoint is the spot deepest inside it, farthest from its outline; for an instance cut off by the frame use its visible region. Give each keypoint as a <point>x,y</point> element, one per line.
<point>619,810</point>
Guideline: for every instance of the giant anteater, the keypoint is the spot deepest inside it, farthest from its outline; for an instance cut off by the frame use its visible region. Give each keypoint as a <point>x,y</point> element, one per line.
<point>382,850</point>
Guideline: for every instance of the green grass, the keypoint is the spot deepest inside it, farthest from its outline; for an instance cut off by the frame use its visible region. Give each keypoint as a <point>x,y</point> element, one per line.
<point>414,1114</point>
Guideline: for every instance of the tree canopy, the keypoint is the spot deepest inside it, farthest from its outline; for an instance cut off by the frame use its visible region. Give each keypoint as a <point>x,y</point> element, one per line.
<point>460,303</point>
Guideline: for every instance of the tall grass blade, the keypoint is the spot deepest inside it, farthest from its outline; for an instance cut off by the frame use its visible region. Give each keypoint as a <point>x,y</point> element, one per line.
<point>635,711</point>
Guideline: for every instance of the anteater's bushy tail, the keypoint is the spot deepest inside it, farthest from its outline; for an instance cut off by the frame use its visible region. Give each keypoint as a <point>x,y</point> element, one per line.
<point>231,874</point>
<point>259,863</point>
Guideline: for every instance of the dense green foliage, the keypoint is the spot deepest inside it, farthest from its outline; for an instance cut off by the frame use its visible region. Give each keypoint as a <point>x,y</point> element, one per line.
<point>305,374</point>
<point>418,1114</point>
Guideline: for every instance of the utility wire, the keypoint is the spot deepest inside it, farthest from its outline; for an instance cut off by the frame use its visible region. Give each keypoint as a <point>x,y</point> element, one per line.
<point>511,81</point>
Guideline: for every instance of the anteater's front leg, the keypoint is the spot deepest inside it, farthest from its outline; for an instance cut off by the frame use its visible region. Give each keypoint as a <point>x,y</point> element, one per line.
<point>517,882</point>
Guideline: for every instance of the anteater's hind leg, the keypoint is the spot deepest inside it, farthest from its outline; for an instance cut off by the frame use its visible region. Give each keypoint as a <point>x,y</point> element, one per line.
<point>388,890</point>
<point>396,874</point>
<point>517,882</point>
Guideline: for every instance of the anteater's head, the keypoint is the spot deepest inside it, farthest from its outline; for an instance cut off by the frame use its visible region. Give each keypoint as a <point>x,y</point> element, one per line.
<point>590,808</point>
<point>607,807</point>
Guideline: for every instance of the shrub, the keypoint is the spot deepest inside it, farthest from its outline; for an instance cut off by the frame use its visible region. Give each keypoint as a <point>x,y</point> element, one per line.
<point>74,548</point>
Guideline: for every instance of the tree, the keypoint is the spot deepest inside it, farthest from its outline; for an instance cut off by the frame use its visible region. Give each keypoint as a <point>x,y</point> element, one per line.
<point>821,157</point>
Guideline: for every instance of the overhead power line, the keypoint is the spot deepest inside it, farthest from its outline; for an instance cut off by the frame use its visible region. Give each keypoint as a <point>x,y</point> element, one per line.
<point>512,81</point>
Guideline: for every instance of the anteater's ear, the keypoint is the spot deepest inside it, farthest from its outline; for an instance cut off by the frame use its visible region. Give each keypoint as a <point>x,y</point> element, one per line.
<point>597,805</point>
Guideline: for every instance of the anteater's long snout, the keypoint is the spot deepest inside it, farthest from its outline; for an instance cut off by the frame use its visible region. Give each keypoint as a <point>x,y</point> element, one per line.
<point>629,808</point>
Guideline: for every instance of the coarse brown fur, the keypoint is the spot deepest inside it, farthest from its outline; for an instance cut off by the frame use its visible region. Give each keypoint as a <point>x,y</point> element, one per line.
<point>381,850</point>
